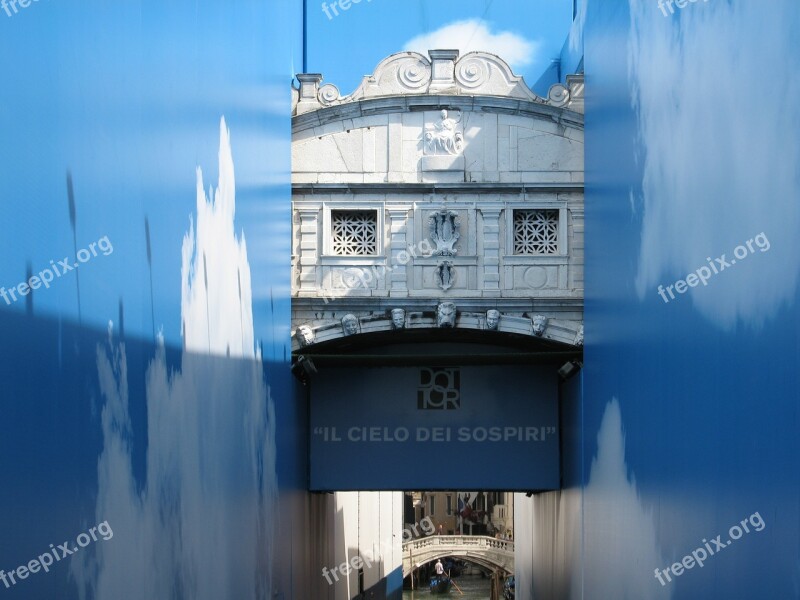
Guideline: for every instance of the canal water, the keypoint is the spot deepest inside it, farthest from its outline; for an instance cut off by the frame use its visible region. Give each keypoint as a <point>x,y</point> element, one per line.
<point>474,588</point>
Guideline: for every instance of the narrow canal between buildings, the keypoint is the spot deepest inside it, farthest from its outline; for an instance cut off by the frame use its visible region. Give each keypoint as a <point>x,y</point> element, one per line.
<point>474,587</point>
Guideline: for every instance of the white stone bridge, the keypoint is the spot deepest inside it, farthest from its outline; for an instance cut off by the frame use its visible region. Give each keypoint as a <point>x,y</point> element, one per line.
<point>482,550</point>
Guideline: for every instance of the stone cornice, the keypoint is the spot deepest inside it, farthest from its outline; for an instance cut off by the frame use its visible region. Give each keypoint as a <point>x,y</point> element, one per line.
<point>401,104</point>
<point>327,329</point>
<point>504,304</point>
<point>434,188</point>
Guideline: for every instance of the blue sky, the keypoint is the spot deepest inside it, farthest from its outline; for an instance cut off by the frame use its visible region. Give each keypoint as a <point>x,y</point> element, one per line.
<point>346,47</point>
<point>128,96</point>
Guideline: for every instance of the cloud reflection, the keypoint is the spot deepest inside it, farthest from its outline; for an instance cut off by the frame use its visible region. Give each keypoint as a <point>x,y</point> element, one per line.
<point>201,526</point>
<point>718,119</point>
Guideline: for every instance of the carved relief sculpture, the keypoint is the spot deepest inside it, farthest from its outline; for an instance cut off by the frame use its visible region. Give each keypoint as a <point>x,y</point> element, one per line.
<point>398,318</point>
<point>350,324</point>
<point>446,315</point>
<point>304,335</point>
<point>579,337</point>
<point>444,275</point>
<point>492,319</point>
<point>444,232</point>
<point>444,137</point>
<point>539,325</point>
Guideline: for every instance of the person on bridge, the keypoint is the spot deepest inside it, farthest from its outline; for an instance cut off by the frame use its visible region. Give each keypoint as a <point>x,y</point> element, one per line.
<point>439,568</point>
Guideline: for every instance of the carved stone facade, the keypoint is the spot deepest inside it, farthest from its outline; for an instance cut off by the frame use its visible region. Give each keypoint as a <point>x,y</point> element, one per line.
<point>440,182</point>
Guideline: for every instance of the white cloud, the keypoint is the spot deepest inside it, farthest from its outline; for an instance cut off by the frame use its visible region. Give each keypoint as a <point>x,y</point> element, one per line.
<point>473,35</point>
<point>621,542</point>
<point>202,525</point>
<point>718,124</point>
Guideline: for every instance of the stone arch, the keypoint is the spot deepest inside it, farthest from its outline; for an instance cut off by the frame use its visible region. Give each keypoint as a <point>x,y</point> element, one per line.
<point>488,557</point>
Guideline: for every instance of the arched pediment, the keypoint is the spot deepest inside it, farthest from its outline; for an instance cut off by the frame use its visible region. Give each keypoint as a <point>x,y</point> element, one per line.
<point>411,73</point>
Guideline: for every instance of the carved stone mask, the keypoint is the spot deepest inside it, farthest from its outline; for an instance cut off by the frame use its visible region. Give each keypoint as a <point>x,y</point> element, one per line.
<point>350,324</point>
<point>492,319</point>
<point>398,318</point>
<point>446,314</point>
<point>539,323</point>
<point>304,335</point>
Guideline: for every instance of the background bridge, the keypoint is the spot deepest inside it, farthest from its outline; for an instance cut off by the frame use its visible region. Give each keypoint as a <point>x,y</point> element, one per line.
<point>482,550</point>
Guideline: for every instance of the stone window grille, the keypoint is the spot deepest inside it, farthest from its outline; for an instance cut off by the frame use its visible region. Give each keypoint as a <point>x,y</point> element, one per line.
<point>354,232</point>
<point>536,231</point>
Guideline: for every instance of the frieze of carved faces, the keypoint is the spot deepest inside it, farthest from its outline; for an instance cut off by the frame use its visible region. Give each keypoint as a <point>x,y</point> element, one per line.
<point>579,337</point>
<point>446,315</point>
<point>398,318</point>
<point>444,137</point>
<point>444,232</point>
<point>539,325</point>
<point>304,335</point>
<point>492,319</point>
<point>350,324</point>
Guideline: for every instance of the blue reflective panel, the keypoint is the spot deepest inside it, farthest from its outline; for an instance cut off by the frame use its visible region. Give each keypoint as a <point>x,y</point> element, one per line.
<point>691,408</point>
<point>144,305</point>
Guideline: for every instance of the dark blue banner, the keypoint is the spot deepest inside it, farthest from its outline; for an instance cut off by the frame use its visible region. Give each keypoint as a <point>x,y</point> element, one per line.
<point>434,428</point>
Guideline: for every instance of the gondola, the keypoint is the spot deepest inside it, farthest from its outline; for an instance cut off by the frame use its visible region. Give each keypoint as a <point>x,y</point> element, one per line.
<point>440,584</point>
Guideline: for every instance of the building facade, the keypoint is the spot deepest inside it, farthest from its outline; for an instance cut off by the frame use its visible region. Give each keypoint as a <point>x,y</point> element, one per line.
<point>439,181</point>
<point>465,513</point>
<point>440,204</point>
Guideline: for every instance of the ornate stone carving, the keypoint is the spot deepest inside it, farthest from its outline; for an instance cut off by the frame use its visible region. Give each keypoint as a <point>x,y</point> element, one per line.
<point>558,95</point>
<point>445,136</point>
<point>304,335</point>
<point>413,73</point>
<point>579,337</point>
<point>328,94</point>
<point>476,73</point>
<point>484,73</point>
<point>398,318</point>
<point>350,324</point>
<point>446,315</point>
<point>472,72</point>
<point>492,319</point>
<point>403,73</point>
<point>539,325</point>
<point>444,232</point>
<point>444,275</point>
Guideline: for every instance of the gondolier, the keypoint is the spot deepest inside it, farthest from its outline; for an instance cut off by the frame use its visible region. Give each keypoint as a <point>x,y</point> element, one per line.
<point>439,568</point>
<point>440,583</point>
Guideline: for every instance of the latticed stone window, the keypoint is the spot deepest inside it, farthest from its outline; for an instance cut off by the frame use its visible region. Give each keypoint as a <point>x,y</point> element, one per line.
<point>536,231</point>
<point>354,232</point>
